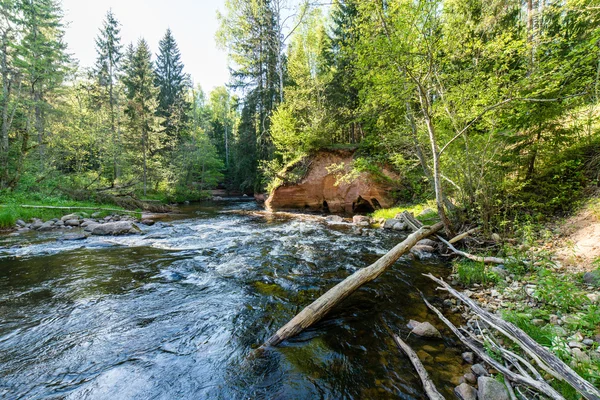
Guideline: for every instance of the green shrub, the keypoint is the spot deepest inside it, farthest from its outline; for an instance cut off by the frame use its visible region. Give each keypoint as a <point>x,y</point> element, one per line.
<point>470,272</point>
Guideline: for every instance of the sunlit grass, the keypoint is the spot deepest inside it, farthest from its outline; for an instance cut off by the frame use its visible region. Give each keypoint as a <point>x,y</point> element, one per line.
<point>415,209</point>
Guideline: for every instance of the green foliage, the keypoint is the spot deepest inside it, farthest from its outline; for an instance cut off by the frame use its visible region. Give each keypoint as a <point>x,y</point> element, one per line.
<point>470,272</point>
<point>558,292</point>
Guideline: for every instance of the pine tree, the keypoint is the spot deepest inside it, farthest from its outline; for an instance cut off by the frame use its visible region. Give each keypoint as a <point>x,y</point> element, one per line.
<point>42,59</point>
<point>108,63</point>
<point>172,83</point>
<point>142,104</point>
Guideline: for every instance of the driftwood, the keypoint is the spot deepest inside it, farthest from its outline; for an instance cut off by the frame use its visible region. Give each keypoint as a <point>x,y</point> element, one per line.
<point>320,307</point>
<point>428,385</point>
<point>416,224</point>
<point>544,358</point>
<point>539,385</point>
<point>76,208</point>
<point>462,235</point>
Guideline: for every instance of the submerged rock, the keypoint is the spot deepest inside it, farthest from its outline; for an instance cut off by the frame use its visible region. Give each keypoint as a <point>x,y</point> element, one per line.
<point>114,228</point>
<point>425,329</point>
<point>469,357</point>
<point>74,236</point>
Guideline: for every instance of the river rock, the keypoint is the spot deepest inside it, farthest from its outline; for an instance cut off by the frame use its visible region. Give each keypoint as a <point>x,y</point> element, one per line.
<point>500,270</point>
<point>400,226</point>
<point>592,277</point>
<point>412,323</point>
<point>334,219</point>
<point>20,223</point>
<point>72,222</point>
<point>422,252</point>
<point>425,329</point>
<point>147,222</point>
<point>470,378</point>
<point>465,391</point>
<point>361,220</point>
<point>469,357</point>
<point>593,297</point>
<point>36,224</point>
<point>69,217</point>
<point>479,370</point>
<point>46,226</point>
<point>491,389</point>
<point>115,228</point>
<point>74,236</point>
<point>389,223</point>
<point>427,242</point>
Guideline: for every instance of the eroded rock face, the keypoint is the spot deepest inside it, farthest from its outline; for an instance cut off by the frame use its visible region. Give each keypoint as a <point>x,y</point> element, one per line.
<point>320,189</point>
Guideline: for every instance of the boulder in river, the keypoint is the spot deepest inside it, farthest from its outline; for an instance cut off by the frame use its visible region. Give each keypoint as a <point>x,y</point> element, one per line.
<point>334,219</point>
<point>361,220</point>
<point>422,252</point>
<point>72,222</point>
<point>114,228</point>
<point>69,217</point>
<point>47,226</point>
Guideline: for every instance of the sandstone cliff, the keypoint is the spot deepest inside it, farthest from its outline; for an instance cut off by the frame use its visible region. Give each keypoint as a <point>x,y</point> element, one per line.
<point>320,189</point>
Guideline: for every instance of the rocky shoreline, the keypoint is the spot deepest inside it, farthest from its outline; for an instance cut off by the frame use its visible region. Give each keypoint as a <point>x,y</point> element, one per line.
<point>94,224</point>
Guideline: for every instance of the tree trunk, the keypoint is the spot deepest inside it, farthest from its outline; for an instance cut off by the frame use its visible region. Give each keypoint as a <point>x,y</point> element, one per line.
<point>437,179</point>
<point>320,307</point>
<point>144,144</point>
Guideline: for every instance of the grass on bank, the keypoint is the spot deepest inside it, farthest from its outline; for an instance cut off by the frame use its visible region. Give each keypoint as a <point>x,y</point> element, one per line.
<point>415,209</point>
<point>11,210</point>
<point>560,295</point>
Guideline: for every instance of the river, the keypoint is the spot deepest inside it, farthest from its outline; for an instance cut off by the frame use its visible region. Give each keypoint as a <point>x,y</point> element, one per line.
<point>176,313</point>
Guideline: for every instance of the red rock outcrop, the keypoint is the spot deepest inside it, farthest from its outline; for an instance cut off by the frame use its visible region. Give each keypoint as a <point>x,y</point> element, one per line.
<point>318,189</point>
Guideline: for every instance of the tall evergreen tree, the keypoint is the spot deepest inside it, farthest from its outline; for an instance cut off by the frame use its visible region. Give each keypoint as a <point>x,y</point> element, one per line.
<point>108,64</point>
<point>142,105</point>
<point>43,60</point>
<point>249,32</point>
<point>173,84</point>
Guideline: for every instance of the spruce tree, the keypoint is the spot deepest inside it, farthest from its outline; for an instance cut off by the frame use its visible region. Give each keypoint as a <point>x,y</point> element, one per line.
<point>42,59</point>
<point>142,105</point>
<point>107,68</point>
<point>172,83</point>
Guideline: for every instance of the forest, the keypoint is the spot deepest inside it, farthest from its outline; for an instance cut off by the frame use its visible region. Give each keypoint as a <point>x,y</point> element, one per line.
<point>479,118</point>
<point>490,107</point>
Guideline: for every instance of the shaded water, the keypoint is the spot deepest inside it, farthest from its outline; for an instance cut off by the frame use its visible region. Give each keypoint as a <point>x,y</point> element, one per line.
<point>175,313</point>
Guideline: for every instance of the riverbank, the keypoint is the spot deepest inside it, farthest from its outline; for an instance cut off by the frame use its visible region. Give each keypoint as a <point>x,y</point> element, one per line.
<point>549,286</point>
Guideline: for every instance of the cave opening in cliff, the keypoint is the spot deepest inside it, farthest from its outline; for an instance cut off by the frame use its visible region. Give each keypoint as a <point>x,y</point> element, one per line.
<point>325,206</point>
<point>362,206</point>
<point>376,204</point>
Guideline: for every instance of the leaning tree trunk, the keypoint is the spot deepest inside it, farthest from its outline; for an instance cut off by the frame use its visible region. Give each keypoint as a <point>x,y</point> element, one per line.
<point>320,307</point>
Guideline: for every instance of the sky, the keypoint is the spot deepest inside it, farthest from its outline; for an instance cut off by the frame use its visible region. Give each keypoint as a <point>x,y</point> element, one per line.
<point>193,23</point>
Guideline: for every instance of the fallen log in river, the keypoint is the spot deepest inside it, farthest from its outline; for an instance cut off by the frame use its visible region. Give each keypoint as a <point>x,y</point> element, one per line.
<point>320,307</point>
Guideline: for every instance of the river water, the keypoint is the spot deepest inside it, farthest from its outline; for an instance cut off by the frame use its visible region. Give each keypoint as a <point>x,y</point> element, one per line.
<point>176,313</point>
